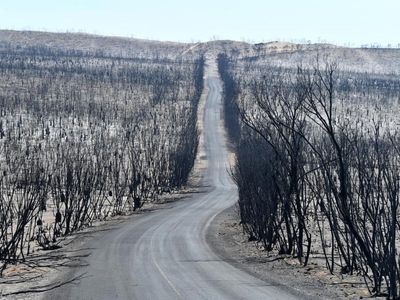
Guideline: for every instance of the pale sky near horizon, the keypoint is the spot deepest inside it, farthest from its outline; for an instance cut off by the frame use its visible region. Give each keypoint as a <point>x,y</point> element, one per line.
<point>346,22</point>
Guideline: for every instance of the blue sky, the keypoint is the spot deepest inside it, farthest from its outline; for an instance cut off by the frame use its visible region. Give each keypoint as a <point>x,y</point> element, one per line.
<point>346,22</point>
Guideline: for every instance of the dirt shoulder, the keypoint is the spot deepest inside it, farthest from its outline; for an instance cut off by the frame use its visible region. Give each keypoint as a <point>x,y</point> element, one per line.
<point>226,237</point>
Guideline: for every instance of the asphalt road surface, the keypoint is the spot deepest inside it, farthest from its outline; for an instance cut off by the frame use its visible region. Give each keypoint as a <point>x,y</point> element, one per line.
<point>164,254</point>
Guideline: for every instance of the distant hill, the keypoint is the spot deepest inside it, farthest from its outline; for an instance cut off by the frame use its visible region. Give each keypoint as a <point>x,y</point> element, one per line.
<point>378,60</point>
<point>114,46</point>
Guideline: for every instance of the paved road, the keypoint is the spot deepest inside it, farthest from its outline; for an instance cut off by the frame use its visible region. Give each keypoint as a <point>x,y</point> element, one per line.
<point>164,254</point>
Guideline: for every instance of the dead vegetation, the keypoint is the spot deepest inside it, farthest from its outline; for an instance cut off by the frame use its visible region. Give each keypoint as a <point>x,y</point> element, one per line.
<point>87,135</point>
<point>318,164</point>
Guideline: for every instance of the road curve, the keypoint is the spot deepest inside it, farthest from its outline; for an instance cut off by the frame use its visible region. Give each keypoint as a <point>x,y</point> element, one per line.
<point>164,254</point>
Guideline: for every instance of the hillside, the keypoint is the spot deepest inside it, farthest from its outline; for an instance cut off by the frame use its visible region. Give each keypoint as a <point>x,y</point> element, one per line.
<point>112,46</point>
<point>377,60</point>
<point>373,60</point>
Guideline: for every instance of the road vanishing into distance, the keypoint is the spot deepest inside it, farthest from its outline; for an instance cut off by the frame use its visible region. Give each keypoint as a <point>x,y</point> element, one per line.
<point>164,254</point>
